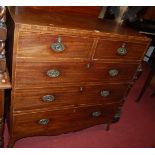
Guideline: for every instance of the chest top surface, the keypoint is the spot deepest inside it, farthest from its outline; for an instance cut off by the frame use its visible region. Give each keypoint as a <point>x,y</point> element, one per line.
<point>90,25</point>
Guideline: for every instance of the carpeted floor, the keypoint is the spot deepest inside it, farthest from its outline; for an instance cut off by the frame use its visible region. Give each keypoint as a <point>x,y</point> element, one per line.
<point>136,128</point>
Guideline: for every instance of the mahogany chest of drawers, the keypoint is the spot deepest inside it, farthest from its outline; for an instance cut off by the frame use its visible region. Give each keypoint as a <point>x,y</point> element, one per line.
<point>68,72</point>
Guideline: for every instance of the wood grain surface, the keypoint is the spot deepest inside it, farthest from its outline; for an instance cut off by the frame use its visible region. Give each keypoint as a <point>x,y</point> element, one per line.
<point>60,121</point>
<point>90,53</point>
<point>70,73</point>
<point>72,96</point>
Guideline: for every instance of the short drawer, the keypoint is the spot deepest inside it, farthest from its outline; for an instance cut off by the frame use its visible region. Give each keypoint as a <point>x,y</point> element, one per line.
<point>50,47</point>
<point>40,75</point>
<point>60,121</point>
<point>62,97</point>
<point>108,49</point>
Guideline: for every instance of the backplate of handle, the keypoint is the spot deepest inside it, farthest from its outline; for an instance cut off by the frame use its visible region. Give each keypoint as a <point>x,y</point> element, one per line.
<point>122,50</point>
<point>58,46</point>
<point>48,98</point>
<point>43,121</point>
<point>105,93</point>
<point>53,73</point>
<point>96,113</point>
<point>113,72</point>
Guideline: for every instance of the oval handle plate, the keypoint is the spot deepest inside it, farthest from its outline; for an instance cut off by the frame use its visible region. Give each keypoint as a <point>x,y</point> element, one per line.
<point>53,73</point>
<point>48,98</point>
<point>122,50</point>
<point>105,93</point>
<point>96,113</point>
<point>43,121</point>
<point>58,46</point>
<point>113,72</point>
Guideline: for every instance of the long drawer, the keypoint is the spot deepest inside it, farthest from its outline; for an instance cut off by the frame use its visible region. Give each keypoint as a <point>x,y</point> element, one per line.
<point>40,75</point>
<point>61,97</point>
<point>49,47</point>
<point>61,121</point>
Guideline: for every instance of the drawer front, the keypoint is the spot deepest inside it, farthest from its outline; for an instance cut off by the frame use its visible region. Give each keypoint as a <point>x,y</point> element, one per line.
<point>93,115</point>
<point>47,98</point>
<point>102,94</point>
<point>61,97</point>
<point>107,49</point>
<point>60,121</point>
<point>55,73</point>
<point>43,123</point>
<point>49,47</point>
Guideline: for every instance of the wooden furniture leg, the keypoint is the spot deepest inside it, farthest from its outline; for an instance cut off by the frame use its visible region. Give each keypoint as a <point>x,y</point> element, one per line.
<point>1,133</point>
<point>153,94</point>
<point>3,85</point>
<point>11,143</point>
<point>108,126</point>
<point>146,84</point>
<point>1,117</point>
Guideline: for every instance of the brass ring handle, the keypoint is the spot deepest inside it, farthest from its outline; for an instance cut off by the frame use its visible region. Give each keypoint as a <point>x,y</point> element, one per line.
<point>43,121</point>
<point>105,93</point>
<point>96,113</point>
<point>48,98</point>
<point>58,46</point>
<point>53,73</point>
<point>122,50</point>
<point>113,72</point>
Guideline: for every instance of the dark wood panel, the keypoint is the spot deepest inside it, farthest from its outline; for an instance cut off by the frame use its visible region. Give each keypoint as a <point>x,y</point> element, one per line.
<point>30,75</point>
<point>108,49</point>
<point>81,10</point>
<point>38,46</point>
<point>149,13</point>
<point>60,121</point>
<point>68,96</point>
